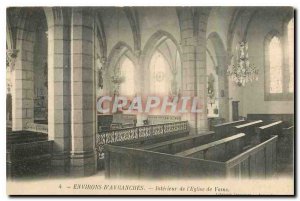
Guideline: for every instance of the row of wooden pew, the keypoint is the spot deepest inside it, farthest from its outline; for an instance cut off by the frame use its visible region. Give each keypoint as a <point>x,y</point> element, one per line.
<point>239,149</point>
<point>28,154</point>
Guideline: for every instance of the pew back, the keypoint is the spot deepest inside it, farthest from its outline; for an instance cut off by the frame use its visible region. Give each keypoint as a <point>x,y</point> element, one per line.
<point>137,163</point>
<point>259,161</point>
<point>285,151</point>
<point>225,129</point>
<point>14,137</point>
<point>29,159</point>
<point>249,129</point>
<point>266,131</point>
<point>180,144</point>
<point>220,150</point>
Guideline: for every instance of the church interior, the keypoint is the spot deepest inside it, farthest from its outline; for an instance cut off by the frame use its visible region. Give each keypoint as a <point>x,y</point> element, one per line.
<point>238,62</point>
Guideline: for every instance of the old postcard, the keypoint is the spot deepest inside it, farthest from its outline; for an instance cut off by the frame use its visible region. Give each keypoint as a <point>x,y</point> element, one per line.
<point>150,100</point>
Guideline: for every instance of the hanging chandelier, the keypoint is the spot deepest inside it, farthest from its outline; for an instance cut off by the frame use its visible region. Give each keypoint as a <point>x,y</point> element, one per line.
<point>241,71</point>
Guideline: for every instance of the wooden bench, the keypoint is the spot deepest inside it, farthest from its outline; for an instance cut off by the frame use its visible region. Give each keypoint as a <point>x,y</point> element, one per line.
<point>120,162</point>
<point>180,144</point>
<point>29,159</point>
<point>219,150</point>
<point>125,162</point>
<point>14,137</point>
<point>287,119</point>
<point>249,129</point>
<point>259,161</point>
<point>225,129</point>
<point>285,151</point>
<point>284,145</point>
<point>266,131</point>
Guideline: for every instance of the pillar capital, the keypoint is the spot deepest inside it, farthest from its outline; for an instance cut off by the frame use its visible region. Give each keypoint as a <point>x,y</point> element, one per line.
<point>11,56</point>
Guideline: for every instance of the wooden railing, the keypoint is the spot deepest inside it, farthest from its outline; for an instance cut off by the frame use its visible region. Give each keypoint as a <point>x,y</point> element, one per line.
<point>128,134</point>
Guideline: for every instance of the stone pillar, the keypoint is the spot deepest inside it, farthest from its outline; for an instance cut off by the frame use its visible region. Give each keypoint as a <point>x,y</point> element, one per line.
<point>59,92</point>
<point>201,71</point>
<point>194,67</point>
<point>22,77</point>
<point>139,83</point>
<point>83,118</point>
<point>188,64</point>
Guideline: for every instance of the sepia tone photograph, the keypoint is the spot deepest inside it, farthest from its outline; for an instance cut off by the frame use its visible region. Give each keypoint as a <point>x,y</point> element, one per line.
<point>133,100</point>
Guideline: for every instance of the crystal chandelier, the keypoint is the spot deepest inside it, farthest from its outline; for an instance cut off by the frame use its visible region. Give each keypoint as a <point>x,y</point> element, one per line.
<point>241,71</point>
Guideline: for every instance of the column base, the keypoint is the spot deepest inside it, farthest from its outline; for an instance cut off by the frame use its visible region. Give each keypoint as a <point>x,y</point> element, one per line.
<point>60,164</point>
<point>83,163</point>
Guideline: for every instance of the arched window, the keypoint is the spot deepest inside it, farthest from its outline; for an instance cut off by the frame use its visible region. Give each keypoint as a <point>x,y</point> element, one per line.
<point>275,61</point>
<point>127,88</point>
<point>290,40</point>
<point>161,76</point>
<point>279,64</point>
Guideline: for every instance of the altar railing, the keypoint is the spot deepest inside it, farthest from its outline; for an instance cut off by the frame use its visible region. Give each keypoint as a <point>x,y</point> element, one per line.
<point>128,134</point>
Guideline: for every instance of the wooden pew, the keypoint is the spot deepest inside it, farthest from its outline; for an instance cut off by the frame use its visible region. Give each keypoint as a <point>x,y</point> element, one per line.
<point>259,161</point>
<point>284,145</point>
<point>287,119</point>
<point>225,129</point>
<point>14,137</point>
<point>266,131</point>
<point>220,150</point>
<point>249,129</point>
<point>285,151</point>
<point>122,162</point>
<point>32,158</point>
<point>180,144</point>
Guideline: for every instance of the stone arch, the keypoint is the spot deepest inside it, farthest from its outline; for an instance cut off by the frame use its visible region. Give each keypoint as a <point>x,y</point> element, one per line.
<point>211,57</point>
<point>101,37</point>
<point>26,24</point>
<point>221,56</point>
<point>9,36</point>
<point>157,39</point>
<point>118,51</point>
<point>233,23</point>
<point>248,15</point>
<point>253,14</point>
<point>154,41</point>
<point>133,18</point>
<point>286,19</point>
<point>221,68</point>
